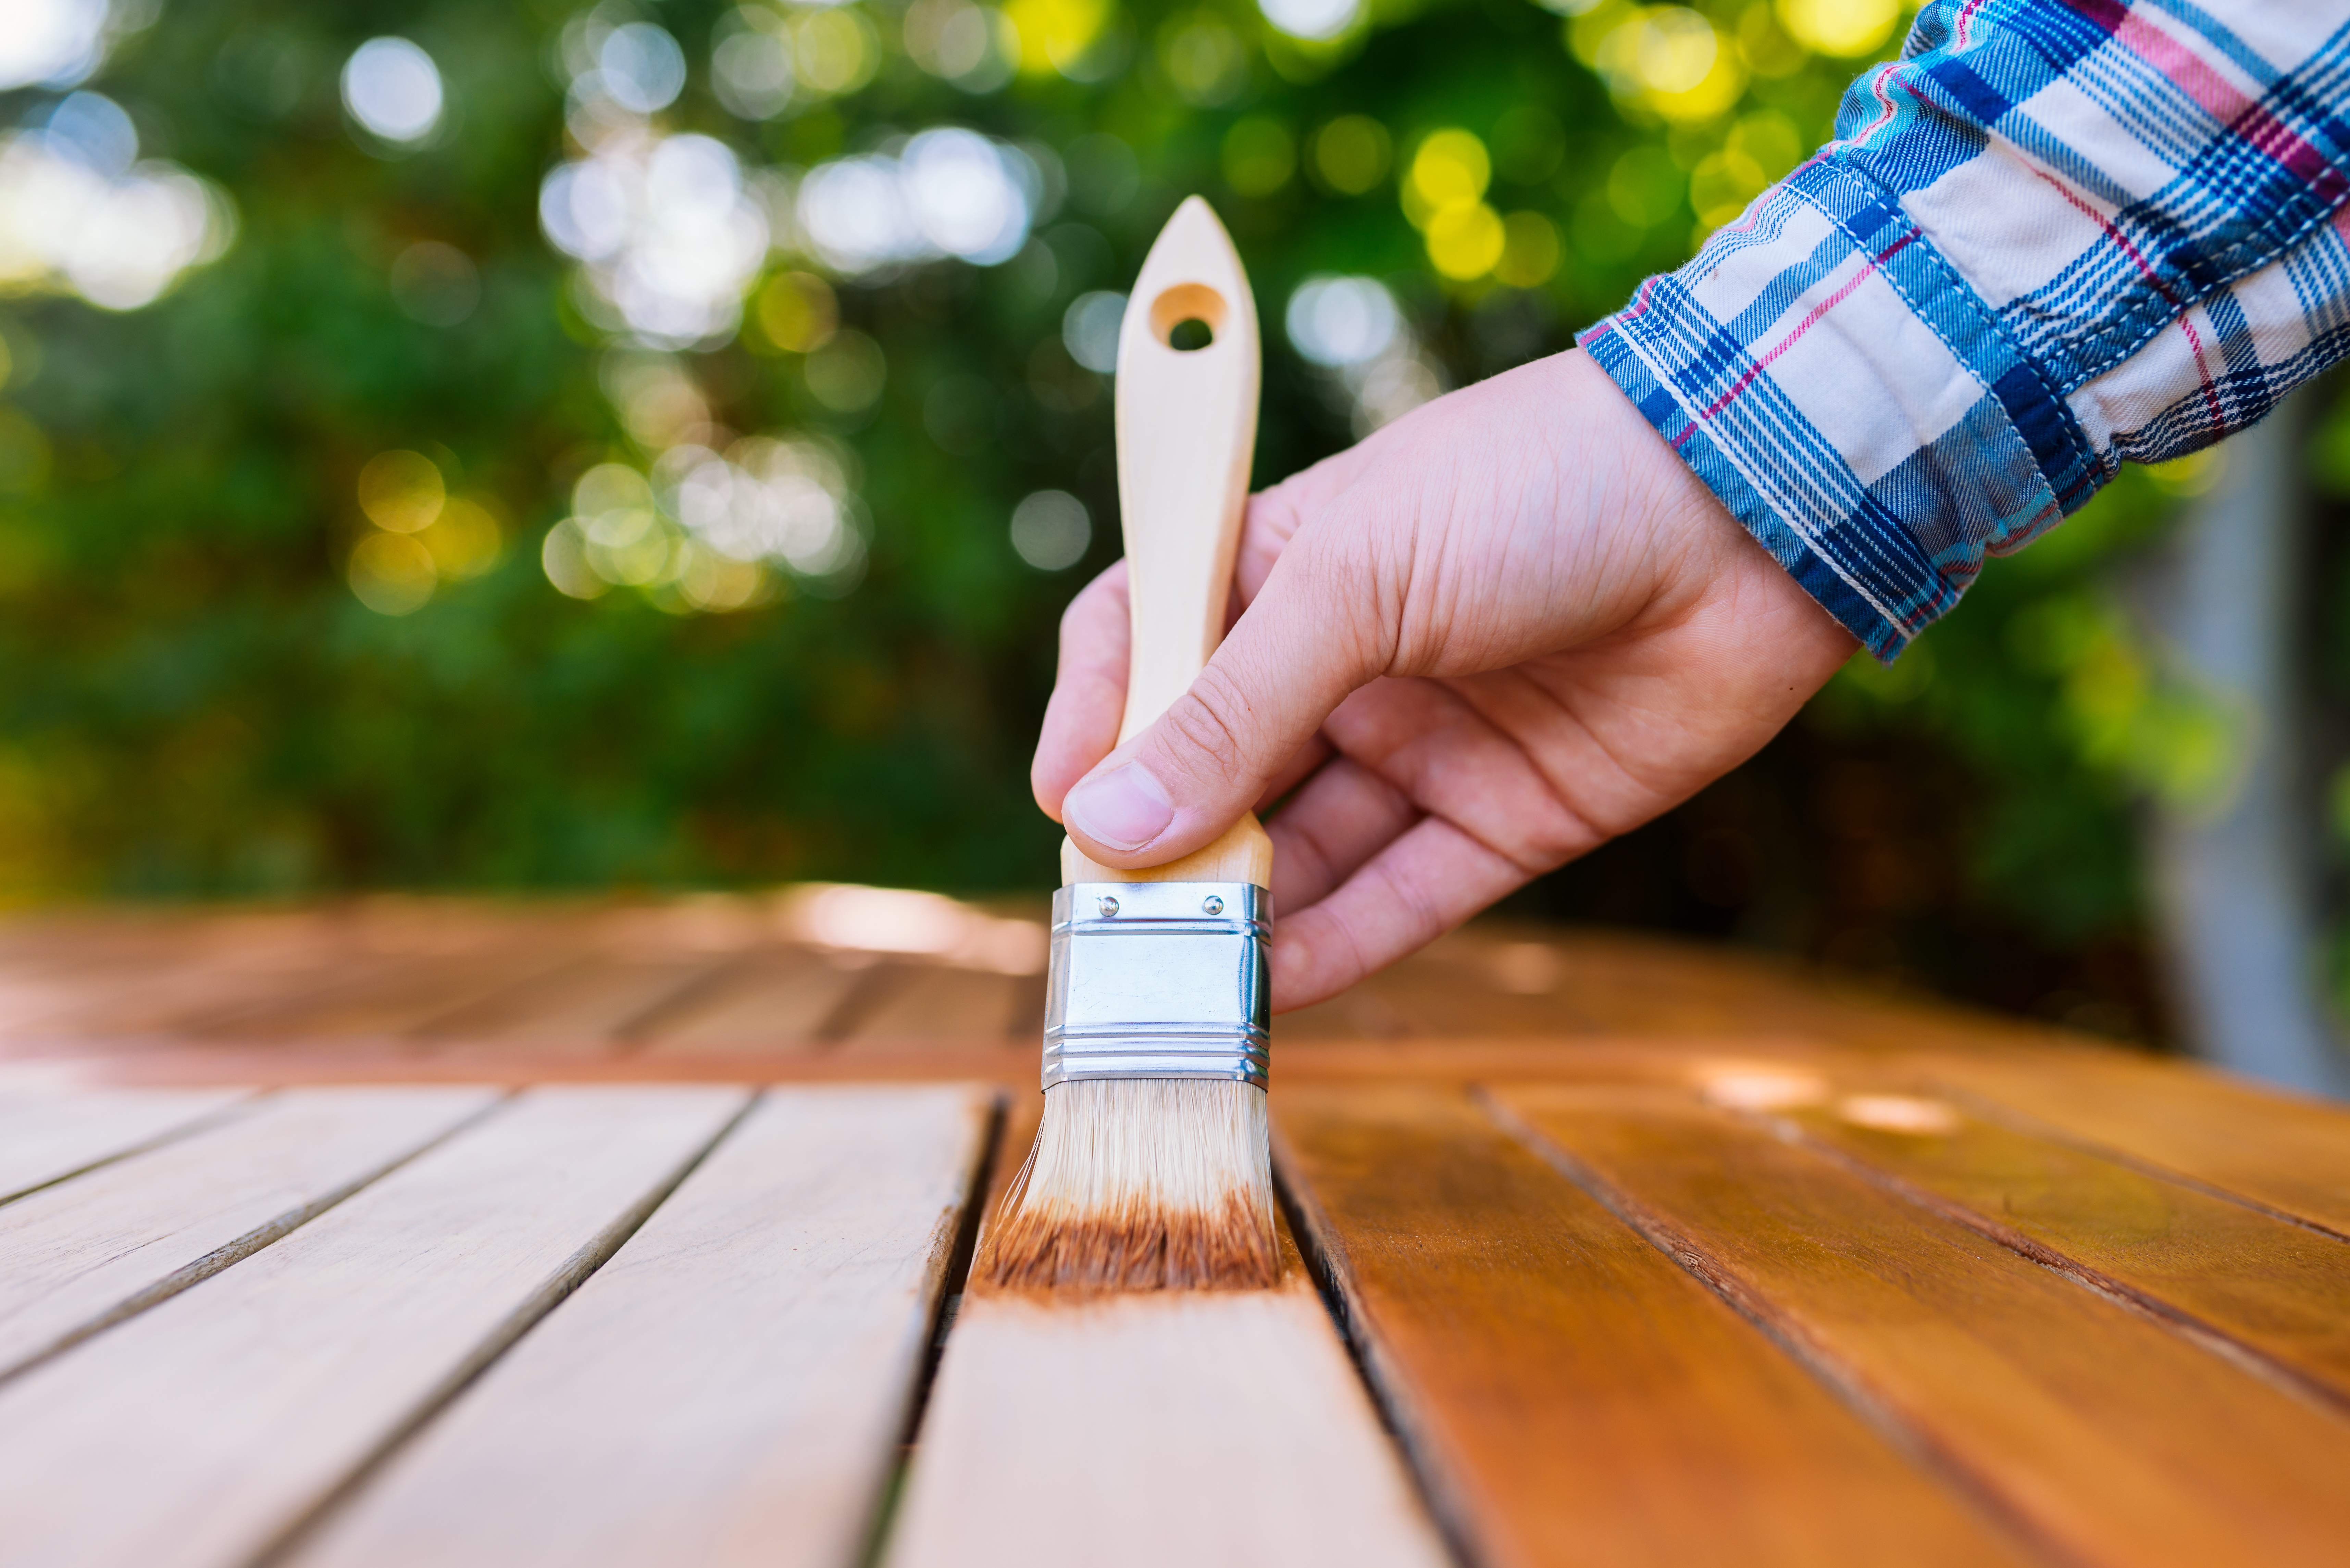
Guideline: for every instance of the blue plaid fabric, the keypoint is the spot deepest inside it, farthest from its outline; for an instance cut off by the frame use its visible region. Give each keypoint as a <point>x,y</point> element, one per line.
<point>2054,236</point>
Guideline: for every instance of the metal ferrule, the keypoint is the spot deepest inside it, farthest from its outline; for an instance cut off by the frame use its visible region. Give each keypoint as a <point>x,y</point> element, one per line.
<point>1157,980</point>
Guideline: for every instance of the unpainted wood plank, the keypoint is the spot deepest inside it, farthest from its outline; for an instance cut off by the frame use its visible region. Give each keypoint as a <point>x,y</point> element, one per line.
<point>585,1006</point>
<point>2265,1284</point>
<point>937,1003</point>
<point>2282,1151</point>
<point>766,1004</point>
<point>47,1135</point>
<point>2097,1430</point>
<point>388,997</point>
<point>731,1387</point>
<point>77,1255</point>
<point>198,1432</point>
<point>1567,1389</point>
<point>1175,1428</point>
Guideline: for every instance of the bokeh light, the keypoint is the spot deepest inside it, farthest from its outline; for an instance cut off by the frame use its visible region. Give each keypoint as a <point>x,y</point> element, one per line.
<point>1845,28</point>
<point>639,66</point>
<point>393,89</point>
<point>976,48</point>
<point>402,491</point>
<point>54,43</point>
<point>1311,19</point>
<point>706,531</point>
<point>1373,364</point>
<point>1351,153</point>
<point>391,574</point>
<point>79,213</point>
<point>1050,531</point>
<point>1443,195</point>
<point>798,312</point>
<point>669,236</point>
<point>948,192</point>
<point>750,69</point>
<point>1089,329</point>
<point>1340,321</point>
<point>1668,60</point>
<point>1062,36</point>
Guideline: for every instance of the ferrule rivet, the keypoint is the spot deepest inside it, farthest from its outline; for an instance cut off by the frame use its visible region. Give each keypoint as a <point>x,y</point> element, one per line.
<point>1212,904</point>
<point>1109,908</point>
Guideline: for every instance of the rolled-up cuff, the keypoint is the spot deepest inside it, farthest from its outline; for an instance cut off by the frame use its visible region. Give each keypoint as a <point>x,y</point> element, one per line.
<point>1852,401</point>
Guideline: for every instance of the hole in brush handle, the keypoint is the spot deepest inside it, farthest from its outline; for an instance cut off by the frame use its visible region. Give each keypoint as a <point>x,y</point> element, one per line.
<point>1188,317</point>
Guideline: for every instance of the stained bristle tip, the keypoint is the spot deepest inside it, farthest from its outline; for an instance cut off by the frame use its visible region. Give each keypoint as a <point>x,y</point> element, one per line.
<point>1138,1185</point>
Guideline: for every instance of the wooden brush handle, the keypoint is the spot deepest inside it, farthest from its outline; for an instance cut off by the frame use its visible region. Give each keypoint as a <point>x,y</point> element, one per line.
<point>1186,428</point>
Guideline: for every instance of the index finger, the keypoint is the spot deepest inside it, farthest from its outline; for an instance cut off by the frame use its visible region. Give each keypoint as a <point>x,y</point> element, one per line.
<point>1088,697</point>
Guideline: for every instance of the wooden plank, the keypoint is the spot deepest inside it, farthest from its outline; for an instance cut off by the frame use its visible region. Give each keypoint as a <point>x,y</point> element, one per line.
<point>2280,1151</point>
<point>588,1006</point>
<point>47,1135</point>
<point>79,1255</point>
<point>2262,1283</point>
<point>2099,1431</point>
<point>1566,1387</point>
<point>769,1002</point>
<point>201,1431</point>
<point>389,997</point>
<point>731,1387</point>
<point>940,1002</point>
<point>1173,1428</point>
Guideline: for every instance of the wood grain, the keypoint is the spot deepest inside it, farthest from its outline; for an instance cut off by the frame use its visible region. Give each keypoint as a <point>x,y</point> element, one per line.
<point>770,1002</point>
<point>199,1431</point>
<point>79,1255</point>
<point>1567,1389</point>
<point>2095,1430</point>
<point>1173,1428</point>
<point>731,1387</point>
<point>934,1002</point>
<point>2265,1284</point>
<point>590,1006</point>
<point>47,1135</point>
<point>2287,1152</point>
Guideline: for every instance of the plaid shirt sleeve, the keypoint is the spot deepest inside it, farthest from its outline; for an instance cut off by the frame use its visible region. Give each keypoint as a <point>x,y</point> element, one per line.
<point>2054,236</point>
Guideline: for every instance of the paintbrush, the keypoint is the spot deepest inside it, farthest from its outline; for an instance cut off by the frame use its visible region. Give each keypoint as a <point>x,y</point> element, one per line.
<point>1151,1169</point>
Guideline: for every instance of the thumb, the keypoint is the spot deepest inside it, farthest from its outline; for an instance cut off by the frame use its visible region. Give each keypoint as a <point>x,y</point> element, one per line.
<point>1312,635</point>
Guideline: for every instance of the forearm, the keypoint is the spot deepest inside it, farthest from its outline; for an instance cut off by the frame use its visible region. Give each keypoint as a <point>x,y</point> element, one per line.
<point>2049,239</point>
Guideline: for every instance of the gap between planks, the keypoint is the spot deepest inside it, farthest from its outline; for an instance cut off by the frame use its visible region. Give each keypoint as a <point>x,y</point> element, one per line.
<point>195,1432</point>
<point>733,1387</point>
<point>1153,1428</point>
<point>2101,1434</point>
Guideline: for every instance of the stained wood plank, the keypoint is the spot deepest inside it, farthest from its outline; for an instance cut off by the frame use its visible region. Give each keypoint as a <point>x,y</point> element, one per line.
<point>2290,1153</point>
<point>197,1432</point>
<point>1173,1428</point>
<point>2097,1430</point>
<point>731,1388</point>
<point>1567,1389</point>
<point>2265,1284</point>
<point>75,1256</point>
<point>48,1134</point>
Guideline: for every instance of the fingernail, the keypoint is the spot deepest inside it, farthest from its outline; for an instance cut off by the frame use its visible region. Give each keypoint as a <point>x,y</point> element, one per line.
<point>1123,808</point>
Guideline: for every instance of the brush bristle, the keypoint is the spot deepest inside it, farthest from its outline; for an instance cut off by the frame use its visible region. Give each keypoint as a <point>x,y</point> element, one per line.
<point>1142,1184</point>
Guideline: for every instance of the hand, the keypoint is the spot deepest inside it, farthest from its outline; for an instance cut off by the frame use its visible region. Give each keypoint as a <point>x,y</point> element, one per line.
<point>1496,635</point>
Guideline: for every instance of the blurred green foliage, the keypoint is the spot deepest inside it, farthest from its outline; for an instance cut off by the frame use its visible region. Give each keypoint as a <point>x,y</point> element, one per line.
<point>219,676</point>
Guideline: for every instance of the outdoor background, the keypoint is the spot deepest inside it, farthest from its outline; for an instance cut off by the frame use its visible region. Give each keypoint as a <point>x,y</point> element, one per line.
<point>520,447</point>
